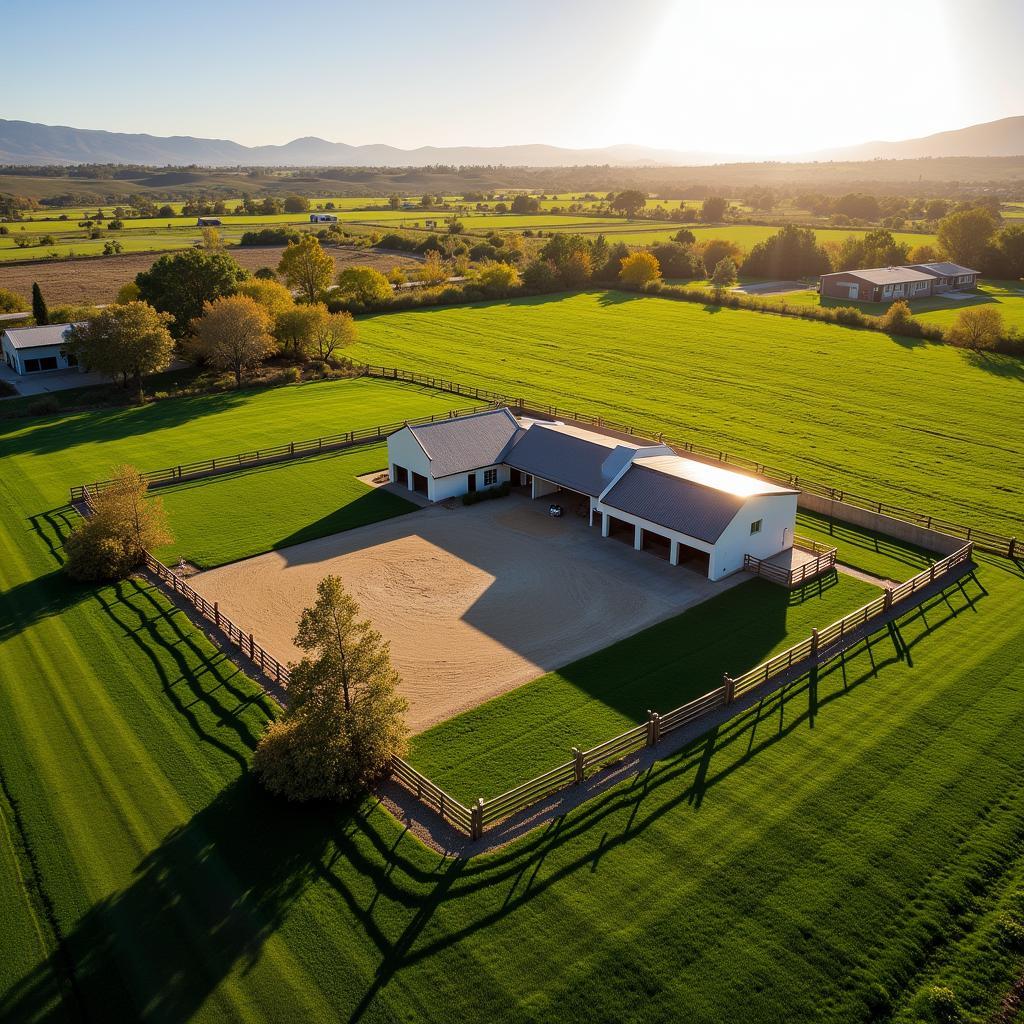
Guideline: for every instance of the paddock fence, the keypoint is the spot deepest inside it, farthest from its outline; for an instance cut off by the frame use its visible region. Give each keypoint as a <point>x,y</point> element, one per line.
<point>824,560</point>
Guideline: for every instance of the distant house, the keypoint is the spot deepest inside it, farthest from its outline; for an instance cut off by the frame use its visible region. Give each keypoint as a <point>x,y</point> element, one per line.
<point>949,276</point>
<point>208,222</point>
<point>887,284</point>
<point>37,349</point>
<point>322,218</point>
<point>691,512</point>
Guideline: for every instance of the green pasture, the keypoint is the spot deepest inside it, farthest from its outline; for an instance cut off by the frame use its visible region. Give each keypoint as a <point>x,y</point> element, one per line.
<point>527,731</point>
<point>899,419</point>
<point>277,505</point>
<point>828,856</point>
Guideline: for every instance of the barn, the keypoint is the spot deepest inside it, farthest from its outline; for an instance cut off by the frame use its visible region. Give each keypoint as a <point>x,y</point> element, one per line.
<point>884,284</point>
<point>37,349</point>
<point>689,512</point>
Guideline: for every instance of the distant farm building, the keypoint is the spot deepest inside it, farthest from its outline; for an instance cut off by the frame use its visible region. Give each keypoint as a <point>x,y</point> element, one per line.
<point>37,349</point>
<point>689,511</point>
<point>887,284</point>
<point>208,222</point>
<point>322,218</point>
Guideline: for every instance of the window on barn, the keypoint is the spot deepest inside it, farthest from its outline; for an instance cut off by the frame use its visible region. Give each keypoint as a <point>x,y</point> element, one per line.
<point>490,477</point>
<point>755,527</point>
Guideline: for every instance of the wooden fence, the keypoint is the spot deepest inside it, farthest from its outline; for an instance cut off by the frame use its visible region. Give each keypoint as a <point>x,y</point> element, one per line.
<point>824,561</point>
<point>275,453</point>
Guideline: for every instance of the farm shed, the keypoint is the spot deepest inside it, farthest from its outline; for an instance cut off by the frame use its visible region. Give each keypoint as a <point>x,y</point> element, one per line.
<point>37,349</point>
<point>207,222</point>
<point>682,509</point>
<point>884,284</point>
<point>323,218</point>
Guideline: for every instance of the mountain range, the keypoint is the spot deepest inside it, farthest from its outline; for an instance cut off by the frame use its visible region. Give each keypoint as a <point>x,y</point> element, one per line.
<point>24,142</point>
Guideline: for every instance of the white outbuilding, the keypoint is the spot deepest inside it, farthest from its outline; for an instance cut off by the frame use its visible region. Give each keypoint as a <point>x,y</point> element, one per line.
<point>37,349</point>
<point>690,512</point>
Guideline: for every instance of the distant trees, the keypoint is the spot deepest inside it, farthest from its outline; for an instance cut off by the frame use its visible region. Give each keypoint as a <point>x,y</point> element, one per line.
<point>305,266</point>
<point>792,252</point>
<point>716,249</point>
<point>233,333</point>
<point>857,206</point>
<point>630,201</point>
<point>124,523</point>
<point>293,328</point>
<point>296,204</point>
<point>40,313</point>
<point>345,718</point>
<point>1005,254</point>
<point>11,302</point>
<point>130,340</point>
<point>713,209</point>
<point>638,268</point>
<point>965,236</point>
<point>525,204</point>
<point>923,254</point>
<point>270,294</point>
<point>684,236</point>
<point>433,271</point>
<point>678,261</point>
<point>875,248</point>
<point>498,279</point>
<point>363,285</point>
<point>181,283</point>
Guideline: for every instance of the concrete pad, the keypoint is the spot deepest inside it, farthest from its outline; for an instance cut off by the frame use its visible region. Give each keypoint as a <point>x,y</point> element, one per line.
<point>474,600</point>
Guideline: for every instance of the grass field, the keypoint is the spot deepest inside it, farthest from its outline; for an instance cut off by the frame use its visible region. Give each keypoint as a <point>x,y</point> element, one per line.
<point>275,506</point>
<point>823,859</point>
<point>525,732</point>
<point>903,420</point>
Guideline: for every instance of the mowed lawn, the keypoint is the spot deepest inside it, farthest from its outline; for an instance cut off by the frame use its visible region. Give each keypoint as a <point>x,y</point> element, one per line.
<point>929,426</point>
<point>225,518</point>
<point>824,859</point>
<point>525,732</point>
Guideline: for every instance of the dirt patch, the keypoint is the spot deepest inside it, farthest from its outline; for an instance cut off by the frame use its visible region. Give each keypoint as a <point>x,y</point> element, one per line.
<point>97,279</point>
<point>475,601</point>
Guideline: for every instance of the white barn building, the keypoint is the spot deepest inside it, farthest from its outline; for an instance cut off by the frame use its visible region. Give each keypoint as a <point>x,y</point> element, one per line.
<point>37,349</point>
<point>691,512</point>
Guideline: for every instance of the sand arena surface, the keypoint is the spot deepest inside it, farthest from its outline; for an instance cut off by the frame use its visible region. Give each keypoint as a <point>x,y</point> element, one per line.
<point>475,600</point>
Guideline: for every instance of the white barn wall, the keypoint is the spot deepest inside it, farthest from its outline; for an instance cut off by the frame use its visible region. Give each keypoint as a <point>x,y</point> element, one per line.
<point>778,512</point>
<point>405,450</point>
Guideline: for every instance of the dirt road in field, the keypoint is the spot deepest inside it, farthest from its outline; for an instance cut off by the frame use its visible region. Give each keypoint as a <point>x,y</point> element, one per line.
<point>98,278</point>
<point>475,601</point>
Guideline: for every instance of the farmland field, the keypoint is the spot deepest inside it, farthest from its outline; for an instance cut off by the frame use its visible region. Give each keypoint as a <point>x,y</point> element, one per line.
<point>834,853</point>
<point>918,423</point>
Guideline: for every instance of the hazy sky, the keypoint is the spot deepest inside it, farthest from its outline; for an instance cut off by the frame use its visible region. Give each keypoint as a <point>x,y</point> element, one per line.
<point>749,77</point>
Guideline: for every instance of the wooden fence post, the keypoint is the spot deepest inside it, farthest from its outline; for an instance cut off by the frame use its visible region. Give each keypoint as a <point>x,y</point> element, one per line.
<point>730,687</point>
<point>1012,549</point>
<point>577,763</point>
<point>814,643</point>
<point>888,599</point>
<point>252,644</point>
<point>653,728</point>
<point>216,613</point>
<point>476,819</point>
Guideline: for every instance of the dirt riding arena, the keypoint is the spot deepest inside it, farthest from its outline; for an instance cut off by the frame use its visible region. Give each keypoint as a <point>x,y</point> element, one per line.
<point>475,600</point>
<point>97,278</point>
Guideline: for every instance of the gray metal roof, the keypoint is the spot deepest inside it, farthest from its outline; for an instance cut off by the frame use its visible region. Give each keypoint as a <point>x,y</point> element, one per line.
<point>677,504</point>
<point>886,275</point>
<point>467,442</point>
<point>944,269</point>
<point>37,337</point>
<point>566,456</point>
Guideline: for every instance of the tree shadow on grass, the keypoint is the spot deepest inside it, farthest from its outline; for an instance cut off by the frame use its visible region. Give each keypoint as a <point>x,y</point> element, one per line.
<point>203,903</point>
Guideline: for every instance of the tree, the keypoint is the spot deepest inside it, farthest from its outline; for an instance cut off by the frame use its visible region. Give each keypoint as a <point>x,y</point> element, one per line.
<point>630,202</point>
<point>1006,254</point>
<point>541,276</point>
<point>638,268</point>
<point>11,302</point>
<point>684,236</point>
<point>345,718</point>
<point>677,260</point>
<point>790,253</point>
<point>394,201</point>
<point>296,204</point>
<point>713,209</point>
<point>977,327</point>
<point>716,249</point>
<point>433,272</point>
<point>294,327</point>
<point>181,283</point>
<point>875,248</point>
<point>613,264</point>
<point>122,525</point>
<point>304,265</point>
<point>965,235</point>
<point>498,279</point>
<point>724,273</point>
<point>364,285</point>
<point>128,292</point>
<point>397,276</point>
<point>923,254</point>
<point>858,206</point>
<point>233,334</point>
<point>211,239</point>
<point>129,339</point>
<point>265,274</point>
<point>525,204</point>
<point>455,226</point>
<point>39,310</point>
<point>332,331</point>
<point>270,294</point>
<point>898,319</point>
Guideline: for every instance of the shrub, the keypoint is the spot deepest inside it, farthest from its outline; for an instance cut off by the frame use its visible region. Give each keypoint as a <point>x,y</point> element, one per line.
<point>270,236</point>
<point>11,302</point>
<point>45,406</point>
<point>290,375</point>
<point>978,327</point>
<point>1011,930</point>
<point>943,1006</point>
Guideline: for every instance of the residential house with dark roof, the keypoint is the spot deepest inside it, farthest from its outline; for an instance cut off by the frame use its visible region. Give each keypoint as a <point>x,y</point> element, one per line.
<point>706,516</point>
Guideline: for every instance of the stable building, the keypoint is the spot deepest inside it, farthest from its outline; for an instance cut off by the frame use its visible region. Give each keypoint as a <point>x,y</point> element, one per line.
<point>705,516</point>
<point>28,350</point>
<point>949,277</point>
<point>886,284</point>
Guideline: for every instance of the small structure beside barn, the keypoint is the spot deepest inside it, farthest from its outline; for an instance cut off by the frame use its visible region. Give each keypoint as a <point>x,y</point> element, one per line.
<point>37,349</point>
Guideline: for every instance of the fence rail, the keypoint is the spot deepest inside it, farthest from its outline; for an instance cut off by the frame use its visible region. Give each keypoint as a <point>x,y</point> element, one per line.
<point>795,577</point>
